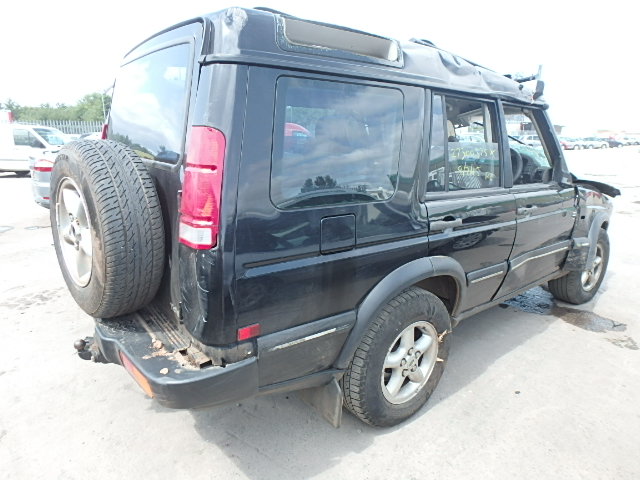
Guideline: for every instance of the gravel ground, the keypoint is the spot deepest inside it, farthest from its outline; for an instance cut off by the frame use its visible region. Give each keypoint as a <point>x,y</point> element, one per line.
<point>533,388</point>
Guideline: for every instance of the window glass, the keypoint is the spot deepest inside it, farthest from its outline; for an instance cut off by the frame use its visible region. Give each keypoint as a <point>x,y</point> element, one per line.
<point>464,150</point>
<point>53,136</point>
<point>25,138</point>
<point>530,161</point>
<point>334,143</point>
<point>148,111</point>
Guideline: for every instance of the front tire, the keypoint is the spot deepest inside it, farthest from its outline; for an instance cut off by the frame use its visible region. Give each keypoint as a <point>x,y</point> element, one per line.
<point>400,359</point>
<point>580,287</point>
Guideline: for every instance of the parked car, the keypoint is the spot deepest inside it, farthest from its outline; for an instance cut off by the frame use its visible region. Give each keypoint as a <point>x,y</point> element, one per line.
<point>594,142</point>
<point>20,142</point>
<point>613,143</point>
<point>41,167</point>
<point>240,264</point>
<point>569,143</point>
<point>91,136</point>
<point>629,140</point>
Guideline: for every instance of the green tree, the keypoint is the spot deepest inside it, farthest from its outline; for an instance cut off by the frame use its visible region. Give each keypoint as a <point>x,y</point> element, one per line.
<point>89,109</point>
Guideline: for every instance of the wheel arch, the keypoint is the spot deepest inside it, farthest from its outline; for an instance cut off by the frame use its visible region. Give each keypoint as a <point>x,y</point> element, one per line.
<point>442,276</point>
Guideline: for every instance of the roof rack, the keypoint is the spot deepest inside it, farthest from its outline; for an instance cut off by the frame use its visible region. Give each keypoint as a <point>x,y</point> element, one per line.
<point>423,41</point>
<point>539,90</point>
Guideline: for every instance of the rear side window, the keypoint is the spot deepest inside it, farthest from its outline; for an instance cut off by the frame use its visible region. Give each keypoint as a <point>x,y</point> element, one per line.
<point>464,153</point>
<point>334,143</point>
<point>149,105</point>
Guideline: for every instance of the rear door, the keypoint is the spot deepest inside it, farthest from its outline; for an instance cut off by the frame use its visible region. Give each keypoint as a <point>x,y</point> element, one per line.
<point>471,211</point>
<point>545,208</point>
<point>326,191</point>
<point>150,112</point>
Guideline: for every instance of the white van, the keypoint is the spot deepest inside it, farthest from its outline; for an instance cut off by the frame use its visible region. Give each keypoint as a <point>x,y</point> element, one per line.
<point>19,142</point>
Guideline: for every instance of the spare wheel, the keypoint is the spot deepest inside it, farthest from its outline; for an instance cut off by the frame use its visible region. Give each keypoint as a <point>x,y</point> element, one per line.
<point>107,227</point>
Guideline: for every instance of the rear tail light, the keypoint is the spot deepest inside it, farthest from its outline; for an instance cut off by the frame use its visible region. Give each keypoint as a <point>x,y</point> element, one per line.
<point>105,131</point>
<point>43,165</point>
<point>202,188</point>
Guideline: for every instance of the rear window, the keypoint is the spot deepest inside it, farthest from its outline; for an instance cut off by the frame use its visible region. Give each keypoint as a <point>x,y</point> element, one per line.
<point>334,143</point>
<point>149,104</point>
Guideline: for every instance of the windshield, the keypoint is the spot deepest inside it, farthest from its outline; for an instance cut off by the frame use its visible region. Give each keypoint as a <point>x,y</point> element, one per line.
<point>52,136</point>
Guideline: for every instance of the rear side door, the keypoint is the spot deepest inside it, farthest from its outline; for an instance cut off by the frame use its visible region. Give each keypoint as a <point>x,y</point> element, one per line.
<point>471,211</point>
<point>545,207</point>
<point>326,194</point>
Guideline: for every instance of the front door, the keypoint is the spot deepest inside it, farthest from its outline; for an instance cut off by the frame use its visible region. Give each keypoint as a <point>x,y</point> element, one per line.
<point>545,207</point>
<point>471,213</point>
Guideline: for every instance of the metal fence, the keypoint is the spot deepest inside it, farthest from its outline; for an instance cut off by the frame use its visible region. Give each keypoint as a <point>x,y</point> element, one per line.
<point>69,126</point>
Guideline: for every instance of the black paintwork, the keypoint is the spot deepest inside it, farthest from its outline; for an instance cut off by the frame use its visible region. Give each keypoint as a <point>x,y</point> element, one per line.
<point>303,272</point>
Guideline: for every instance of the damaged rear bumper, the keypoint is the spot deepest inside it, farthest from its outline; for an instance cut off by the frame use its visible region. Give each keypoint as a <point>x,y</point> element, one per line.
<point>154,360</point>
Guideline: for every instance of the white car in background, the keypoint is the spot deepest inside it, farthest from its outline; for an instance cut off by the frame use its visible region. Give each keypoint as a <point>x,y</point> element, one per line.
<point>18,143</point>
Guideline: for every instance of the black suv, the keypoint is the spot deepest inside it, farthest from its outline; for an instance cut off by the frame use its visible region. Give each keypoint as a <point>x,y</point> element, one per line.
<point>279,204</point>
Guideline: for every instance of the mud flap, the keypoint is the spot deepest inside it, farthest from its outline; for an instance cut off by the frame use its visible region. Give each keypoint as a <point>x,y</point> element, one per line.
<point>327,400</point>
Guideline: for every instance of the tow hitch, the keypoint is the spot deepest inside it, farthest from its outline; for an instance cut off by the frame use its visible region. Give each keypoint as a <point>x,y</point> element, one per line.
<point>88,350</point>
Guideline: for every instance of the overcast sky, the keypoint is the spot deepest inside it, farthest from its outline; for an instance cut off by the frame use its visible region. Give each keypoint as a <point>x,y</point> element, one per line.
<point>58,51</point>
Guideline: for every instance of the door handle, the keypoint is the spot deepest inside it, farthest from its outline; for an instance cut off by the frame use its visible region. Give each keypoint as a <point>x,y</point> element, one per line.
<point>448,222</point>
<point>528,210</point>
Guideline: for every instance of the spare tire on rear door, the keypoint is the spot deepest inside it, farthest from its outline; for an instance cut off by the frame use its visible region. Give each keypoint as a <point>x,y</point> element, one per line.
<point>107,227</point>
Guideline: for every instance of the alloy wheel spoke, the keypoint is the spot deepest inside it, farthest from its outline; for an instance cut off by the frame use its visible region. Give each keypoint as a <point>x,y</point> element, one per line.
<point>416,376</point>
<point>423,343</point>
<point>83,264</point>
<point>393,359</point>
<point>71,200</point>
<point>85,241</point>
<point>407,339</point>
<point>395,382</point>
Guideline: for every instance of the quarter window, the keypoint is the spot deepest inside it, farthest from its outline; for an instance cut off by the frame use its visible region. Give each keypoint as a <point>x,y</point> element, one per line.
<point>334,143</point>
<point>464,152</point>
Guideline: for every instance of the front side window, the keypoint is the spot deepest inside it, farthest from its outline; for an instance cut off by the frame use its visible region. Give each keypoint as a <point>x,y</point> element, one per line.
<point>334,143</point>
<point>53,136</point>
<point>530,159</point>
<point>464,153</point>
<point>148,111</point>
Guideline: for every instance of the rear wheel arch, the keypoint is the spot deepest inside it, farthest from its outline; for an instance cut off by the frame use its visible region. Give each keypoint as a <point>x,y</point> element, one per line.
<point>442,276</point>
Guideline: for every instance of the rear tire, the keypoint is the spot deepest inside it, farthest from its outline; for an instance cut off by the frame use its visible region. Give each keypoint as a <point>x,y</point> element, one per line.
<point>580,287</point>
<point>107,227</point>
<point>400,359</point>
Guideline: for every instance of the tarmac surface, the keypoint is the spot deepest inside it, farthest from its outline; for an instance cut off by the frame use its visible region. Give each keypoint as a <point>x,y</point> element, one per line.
<point>533,388</point>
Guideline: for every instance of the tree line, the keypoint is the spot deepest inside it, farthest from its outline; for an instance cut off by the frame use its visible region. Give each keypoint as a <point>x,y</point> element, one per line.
<point>91,108</point>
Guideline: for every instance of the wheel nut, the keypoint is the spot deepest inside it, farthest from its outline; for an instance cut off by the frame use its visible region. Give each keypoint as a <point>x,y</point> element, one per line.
<point>403,362</point>
<point>405,372</point>
<point>410,352</point>
<point>418,353</point>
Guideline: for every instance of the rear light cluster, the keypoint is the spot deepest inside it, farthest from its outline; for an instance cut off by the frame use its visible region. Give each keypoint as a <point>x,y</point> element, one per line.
<point>43,165</point>
<point>202,188</point>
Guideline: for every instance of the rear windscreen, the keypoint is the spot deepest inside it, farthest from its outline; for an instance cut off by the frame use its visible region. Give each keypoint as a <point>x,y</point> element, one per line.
<point>149,104</point>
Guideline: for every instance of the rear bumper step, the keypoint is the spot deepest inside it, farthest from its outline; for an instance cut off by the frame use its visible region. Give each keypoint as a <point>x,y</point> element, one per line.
<point>166,365</point>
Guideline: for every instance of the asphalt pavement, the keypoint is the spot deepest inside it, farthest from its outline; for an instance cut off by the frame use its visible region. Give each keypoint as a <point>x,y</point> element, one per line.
<point>533,388</point>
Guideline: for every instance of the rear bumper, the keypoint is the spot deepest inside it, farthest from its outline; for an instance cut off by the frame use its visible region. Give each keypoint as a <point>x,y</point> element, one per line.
<point>164,374</point>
